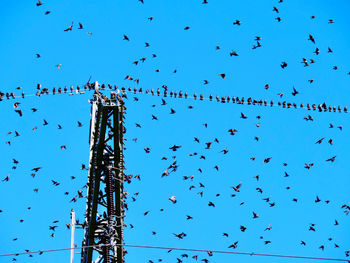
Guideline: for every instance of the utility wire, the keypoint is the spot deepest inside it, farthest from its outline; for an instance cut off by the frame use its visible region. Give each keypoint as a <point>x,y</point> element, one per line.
<point>183,249</point>
<point>174,94</point>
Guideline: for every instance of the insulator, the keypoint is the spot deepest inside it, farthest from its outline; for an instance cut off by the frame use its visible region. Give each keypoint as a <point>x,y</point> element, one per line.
<point>186,95</point>
<point>158,92</point>
<point>345,109</point>
<point>195,96</point>
<point>265,102</point>
<point>180,94</point>
<point>152,91</point>
<point>313,106</point>
<point>201,97</point>
<point>223,99</point>
<point>210,97</point>
<point>271,103</point>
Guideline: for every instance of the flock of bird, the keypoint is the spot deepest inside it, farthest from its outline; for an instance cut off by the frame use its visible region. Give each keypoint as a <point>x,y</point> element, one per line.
<point>173,164</point>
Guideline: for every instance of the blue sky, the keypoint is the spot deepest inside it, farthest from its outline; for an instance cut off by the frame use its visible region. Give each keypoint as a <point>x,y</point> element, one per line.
<point>107,58</point>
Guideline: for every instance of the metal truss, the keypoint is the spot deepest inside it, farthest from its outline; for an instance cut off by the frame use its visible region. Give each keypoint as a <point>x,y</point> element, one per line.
<point>105,209</point>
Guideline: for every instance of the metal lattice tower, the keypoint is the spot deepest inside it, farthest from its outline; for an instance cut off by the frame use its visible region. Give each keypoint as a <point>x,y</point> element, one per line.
<point>105,208</point>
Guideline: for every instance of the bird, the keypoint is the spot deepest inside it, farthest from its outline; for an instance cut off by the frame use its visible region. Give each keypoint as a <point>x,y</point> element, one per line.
<point>234,245</point>
<point>267,160</point>
<point>173,199</point>
<point>237,22</point>
<point>331,159</point>
<point>39,3</point>
<point>319,141</point>
<point>187,28</point>
<point>80,124</point>
<point>211,204</point>
<point>243,116</point>
<point>255,215</point>
<point>81,26</point>
<point>311,38</point>
<point>125,37</point>
<point>70,28</point>
<point>284,64</point>
<point>45,122</point>
<point>236,188</point>
<point>36,169</point>
<point>55,183</point>
<point>175,147</point>
<point>295,92</point>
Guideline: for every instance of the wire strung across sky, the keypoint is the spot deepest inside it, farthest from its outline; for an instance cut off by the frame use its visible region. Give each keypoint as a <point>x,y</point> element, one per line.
<point>210,252</point>
<point>174,94</point>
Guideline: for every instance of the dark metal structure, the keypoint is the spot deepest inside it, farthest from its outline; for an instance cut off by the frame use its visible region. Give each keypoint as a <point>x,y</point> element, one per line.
<point>103,237</point>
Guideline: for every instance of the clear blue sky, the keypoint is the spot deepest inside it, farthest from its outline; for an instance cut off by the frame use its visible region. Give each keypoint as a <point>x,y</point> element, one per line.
<point>283,134</point>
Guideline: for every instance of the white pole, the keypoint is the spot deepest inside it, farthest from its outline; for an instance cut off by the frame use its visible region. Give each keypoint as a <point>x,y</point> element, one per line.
<point>72,227</point>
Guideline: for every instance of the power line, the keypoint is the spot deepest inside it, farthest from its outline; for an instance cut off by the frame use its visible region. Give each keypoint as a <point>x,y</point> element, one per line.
<point>183,95</point>
<point>184,249</point>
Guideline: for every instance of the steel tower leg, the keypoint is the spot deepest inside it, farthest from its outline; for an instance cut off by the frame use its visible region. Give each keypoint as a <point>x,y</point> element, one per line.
<point>103,237</point>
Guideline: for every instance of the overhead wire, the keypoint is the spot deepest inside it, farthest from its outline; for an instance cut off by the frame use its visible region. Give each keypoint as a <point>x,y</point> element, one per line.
<point>183,95</point>
<point>209,251</point>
